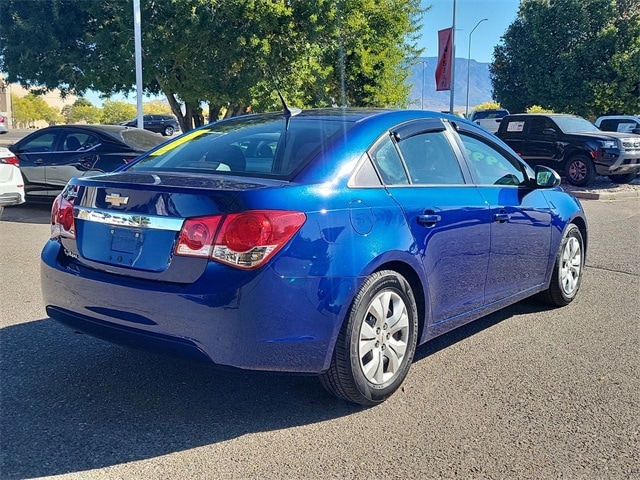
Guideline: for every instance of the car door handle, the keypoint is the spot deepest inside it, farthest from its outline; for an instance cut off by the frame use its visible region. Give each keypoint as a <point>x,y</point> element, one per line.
<point>429,220</point>
<point>39,161</point>
<point>501,217</point>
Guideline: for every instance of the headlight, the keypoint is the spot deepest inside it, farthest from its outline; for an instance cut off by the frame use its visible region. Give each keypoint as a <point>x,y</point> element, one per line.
<point>609,144</point>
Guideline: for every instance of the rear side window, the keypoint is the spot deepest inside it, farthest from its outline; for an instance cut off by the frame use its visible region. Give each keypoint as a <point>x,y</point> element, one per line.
<point>252,145</point>
<point>430,160</point>
<point>388,163</point>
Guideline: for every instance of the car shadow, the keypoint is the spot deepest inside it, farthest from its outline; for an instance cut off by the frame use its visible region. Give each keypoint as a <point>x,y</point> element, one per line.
<point>72,403</point>
<point>30,212</point>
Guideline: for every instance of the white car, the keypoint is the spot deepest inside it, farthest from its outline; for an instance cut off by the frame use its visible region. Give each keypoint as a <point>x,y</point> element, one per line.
<point>11,182</point>
<point>4,123</point>
<point>619,123</point>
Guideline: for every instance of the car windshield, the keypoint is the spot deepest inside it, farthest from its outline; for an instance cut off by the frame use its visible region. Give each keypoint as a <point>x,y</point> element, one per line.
<point>257,145</point>
<point>575,125</point>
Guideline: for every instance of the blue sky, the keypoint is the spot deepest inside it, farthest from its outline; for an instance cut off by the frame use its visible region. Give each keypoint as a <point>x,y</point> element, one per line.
<point>499,14</point>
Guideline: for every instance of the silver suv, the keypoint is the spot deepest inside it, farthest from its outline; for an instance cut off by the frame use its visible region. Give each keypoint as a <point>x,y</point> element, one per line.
<point>619,123</point>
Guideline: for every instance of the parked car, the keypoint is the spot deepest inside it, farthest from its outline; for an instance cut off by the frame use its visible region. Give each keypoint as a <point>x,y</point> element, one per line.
<point>362,234</point>
<point>619,123</point>
<point>4,124</point>
<point>167,125</point>
<point>489,119</point>
<point>572,146</point>
<point>11,183</point>
<point>50,156</point>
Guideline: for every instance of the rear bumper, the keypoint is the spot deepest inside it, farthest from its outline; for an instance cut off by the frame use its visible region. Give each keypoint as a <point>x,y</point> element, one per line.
<point>263,323</point>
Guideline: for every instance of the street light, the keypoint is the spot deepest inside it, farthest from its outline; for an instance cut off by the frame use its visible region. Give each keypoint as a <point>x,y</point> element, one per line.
<point>466,111</point>
<point>424,64</point>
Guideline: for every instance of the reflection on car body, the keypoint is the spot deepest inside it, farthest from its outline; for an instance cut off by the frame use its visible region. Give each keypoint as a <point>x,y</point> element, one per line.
<point>357,236</point>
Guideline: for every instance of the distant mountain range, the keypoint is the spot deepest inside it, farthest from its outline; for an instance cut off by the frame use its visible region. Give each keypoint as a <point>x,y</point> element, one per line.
<point>479,85</point>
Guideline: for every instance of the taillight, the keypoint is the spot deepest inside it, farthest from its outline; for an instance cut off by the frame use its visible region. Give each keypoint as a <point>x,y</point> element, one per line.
<point>244,240</point>
<point>62,221</point>
<point>13,160</point>
<point>196,236</point>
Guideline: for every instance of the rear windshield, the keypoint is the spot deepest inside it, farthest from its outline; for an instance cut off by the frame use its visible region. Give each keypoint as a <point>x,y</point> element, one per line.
<point>141,140</point>
<point>484,114</point>
<point>262,146</point>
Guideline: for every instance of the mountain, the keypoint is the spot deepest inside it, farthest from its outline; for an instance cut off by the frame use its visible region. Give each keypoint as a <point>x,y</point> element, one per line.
<point>479,85</point>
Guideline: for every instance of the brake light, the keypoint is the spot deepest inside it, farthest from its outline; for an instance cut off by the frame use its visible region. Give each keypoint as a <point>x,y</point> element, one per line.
<point>62,221</point>
<point>244,240</point>
<point>13,160</point>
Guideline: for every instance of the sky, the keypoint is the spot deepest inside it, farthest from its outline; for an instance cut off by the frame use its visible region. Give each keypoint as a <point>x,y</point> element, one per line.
<point>499,14</point>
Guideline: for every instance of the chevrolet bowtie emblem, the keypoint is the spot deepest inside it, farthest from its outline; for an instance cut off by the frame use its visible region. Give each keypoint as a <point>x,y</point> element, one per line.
<point>116,200</point>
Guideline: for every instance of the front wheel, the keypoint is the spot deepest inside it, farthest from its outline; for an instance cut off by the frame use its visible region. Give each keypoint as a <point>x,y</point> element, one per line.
<point>623,178</point>
<point>376,343</point>
<point>568,269</point>
<point>580,171</point>
<point>168,131</point>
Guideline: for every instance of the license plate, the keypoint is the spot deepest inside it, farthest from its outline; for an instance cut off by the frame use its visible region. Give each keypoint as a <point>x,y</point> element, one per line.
<point>125,241</point>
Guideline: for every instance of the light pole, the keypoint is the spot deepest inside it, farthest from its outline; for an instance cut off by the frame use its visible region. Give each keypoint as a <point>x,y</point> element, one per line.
<point>466,111</point>
<point>424,64</point>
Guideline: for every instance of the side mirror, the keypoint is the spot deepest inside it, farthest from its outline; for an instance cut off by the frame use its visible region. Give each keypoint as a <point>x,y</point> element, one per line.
<point>549,131</point>
<point>546,177</point>
<point>636,131</point>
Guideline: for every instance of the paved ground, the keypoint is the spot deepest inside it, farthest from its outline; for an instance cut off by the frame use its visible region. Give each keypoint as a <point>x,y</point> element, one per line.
<point>526,393</point>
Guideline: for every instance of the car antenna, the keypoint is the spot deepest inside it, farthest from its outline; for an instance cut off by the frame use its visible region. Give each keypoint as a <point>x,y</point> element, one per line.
<point>288,112</point>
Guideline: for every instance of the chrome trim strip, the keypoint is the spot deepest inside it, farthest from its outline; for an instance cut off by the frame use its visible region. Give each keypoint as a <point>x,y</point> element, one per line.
<point>128,220</point>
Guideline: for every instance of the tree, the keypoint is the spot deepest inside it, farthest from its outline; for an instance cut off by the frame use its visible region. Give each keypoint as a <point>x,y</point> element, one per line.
<point>31,108</point>
<point>577,56</point>
<point>82,110</point>
<point>114,112</point>
<point>156,106</point>
<point>230,54</point>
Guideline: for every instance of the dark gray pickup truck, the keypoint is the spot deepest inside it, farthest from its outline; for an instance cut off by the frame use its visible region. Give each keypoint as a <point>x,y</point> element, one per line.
<point>572,146</point>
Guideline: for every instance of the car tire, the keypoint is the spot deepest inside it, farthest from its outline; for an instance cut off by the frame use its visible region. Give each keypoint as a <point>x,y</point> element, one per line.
<point>568,269</point>
<point>168,131</point>
<point>377,342</point>
<point>580,171</point>
<point>624,178</point>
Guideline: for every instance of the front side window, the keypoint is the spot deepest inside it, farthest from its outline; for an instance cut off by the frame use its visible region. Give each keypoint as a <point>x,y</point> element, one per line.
<point>491,166</point>
<point>430,159</point>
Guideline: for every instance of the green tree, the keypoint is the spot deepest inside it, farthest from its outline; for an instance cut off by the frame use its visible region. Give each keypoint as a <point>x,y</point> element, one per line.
<point>156,106</point>
<point>31,108</point>
<point>229,54</point>
<point>577,56</point>
<point>114,112</point>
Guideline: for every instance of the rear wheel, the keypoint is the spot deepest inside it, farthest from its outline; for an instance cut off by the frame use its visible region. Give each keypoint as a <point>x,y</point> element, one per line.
<point>568,269</point>
<point>580,171</point>
<point>624,178</point>
<point>168,131</point>
<point>377,341</point>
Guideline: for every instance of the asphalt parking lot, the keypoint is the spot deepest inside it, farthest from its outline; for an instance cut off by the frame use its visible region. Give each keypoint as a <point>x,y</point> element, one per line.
<point>526,393</point>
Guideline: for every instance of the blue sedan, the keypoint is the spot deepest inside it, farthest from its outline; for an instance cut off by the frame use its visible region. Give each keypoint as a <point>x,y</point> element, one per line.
<point>324,242</point>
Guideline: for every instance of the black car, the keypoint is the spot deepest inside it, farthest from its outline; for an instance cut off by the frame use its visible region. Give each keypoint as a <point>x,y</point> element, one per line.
<point>51,156</point>
<point>572,146</point>
<point>167,125</point>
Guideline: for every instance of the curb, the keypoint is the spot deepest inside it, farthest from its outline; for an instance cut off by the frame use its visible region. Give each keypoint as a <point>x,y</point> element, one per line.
<point>605,196</point>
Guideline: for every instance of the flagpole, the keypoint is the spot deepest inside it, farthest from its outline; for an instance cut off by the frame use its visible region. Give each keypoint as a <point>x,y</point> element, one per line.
<point>453,62</point>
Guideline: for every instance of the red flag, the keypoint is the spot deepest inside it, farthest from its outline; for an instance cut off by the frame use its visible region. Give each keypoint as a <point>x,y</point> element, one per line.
<point>443,70</point>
